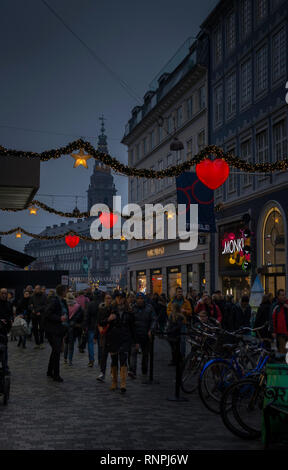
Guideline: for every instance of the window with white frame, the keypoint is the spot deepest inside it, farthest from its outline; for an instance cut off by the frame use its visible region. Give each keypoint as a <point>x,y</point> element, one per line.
<point>279,55</point>
<point>217,45</point>
<point>280,140</point>
<point>246,154</point>
<point>137,152</point>
<point>152,183</point>
<point>161,182</point>
<point>189,154</point>
<point>160,133</point>
<point>201,140</point>
<point>153,139</point>
<point>231,95</point>
<point>230,32</point>
<point>246,82</point>
<point>170,124</point>
<point>170,162</point>
<point>218,105</point>
<point>261,9</point>
<point>262,149</point>
<point>189,104</point>
<point>261,82</point>
<point>246,18</point>
<point>232,178</point>
<point>145,146</point>
<point>131,157</point>
<point>202,97</point>
<point>179,116</point>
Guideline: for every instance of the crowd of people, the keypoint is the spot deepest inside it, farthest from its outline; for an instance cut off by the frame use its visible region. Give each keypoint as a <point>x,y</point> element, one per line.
<point>122,324</point>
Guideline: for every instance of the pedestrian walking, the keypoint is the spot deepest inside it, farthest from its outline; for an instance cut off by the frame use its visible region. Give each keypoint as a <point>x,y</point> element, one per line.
<point>6,316</point>
<point>119,337</point>
<point>280,321</point>
<point>24,310</point>
<point>55,325</point>
<point>144,322</point>
<point>262,320</point>
<point>93,334</point>
<point>106,309</point>
<point>39,302</point>
<point>75,319</point>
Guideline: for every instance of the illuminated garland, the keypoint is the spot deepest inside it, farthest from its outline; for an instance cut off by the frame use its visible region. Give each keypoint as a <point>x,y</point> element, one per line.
<point>114,164</point>
<point>20,230</point>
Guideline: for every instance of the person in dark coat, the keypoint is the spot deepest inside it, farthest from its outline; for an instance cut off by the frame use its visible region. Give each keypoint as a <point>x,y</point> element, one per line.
<point>241,313</point>
<point>263,318</point>
<point>24,309</point>
<point>91,327</point>
<point>119,337</point>
<point>75,319</point>
<point>174,330</point>
<point>160,307</point>
<point>55,325</point>
<point>227,320</point>
<point>39,302</point>
<point>106,309</point>
<point>144,323</point>
<point>6,316</point>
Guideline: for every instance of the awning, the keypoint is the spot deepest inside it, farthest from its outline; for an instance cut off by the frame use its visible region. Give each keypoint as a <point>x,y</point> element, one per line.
<point>14,257</point>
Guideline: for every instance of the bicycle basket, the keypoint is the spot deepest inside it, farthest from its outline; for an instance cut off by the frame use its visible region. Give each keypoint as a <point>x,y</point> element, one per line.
<point>224,338</point>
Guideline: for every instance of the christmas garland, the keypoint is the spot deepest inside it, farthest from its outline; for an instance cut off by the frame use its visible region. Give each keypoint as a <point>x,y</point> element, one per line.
<point>54,237</point>
<point>114,164</point>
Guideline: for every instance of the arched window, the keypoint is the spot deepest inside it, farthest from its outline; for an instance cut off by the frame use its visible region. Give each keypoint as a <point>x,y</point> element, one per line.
<point>274,254</point>
<point>273,239</point>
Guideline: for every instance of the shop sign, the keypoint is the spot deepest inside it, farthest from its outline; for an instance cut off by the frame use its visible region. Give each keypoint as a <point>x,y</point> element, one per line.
<point>232,245</point>
<point>174,270</point>
<point>156,271</point>
<point>156,252</point>
<point>141,273</point>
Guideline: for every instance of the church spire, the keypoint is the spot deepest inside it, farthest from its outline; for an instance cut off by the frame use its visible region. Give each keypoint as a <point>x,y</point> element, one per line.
<point>102,138</point>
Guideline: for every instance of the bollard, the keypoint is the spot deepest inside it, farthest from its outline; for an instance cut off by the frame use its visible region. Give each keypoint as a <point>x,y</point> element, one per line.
<point>177,396</point>
<point>151,380</point>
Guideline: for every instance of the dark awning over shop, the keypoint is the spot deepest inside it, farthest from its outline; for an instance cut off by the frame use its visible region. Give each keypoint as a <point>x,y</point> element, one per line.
<point>14,257</point>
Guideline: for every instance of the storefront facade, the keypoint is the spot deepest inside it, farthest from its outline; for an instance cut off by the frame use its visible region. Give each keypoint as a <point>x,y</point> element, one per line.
<point>267,245</point>
<point>163,268</point>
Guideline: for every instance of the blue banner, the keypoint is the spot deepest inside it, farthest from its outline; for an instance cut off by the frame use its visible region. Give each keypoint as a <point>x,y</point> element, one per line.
<point>190,190</point>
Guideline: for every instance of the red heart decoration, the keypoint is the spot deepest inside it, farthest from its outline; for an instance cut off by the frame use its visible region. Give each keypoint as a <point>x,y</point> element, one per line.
<point>72,240</point>
<point>108,219</point>
<point>212,173</point>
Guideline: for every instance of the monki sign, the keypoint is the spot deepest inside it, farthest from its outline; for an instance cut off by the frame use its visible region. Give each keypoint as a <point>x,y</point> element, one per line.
<point>231,245</point>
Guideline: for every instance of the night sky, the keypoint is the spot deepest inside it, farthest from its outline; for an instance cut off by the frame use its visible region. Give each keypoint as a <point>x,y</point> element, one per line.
<point>50,83</point>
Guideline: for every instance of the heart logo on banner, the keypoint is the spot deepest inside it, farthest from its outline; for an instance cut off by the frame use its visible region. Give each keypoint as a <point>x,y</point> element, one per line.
<point>108,219</point>
<point>72,240</point>
<point>212,173</point>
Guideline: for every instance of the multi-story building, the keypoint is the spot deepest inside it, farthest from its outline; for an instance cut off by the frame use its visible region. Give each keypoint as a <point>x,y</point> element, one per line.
<point>88,260</point>
<point>175,104</point>
<point>248,116</point>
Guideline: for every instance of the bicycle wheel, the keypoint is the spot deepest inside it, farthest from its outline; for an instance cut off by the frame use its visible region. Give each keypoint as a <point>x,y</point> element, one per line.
<point>247,404</point>
<point>190,372</point>
<point>228,416</point>
<point>214,380</point>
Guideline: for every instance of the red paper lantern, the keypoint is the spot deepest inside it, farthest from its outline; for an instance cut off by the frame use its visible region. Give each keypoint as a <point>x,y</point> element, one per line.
<point>72,240</point>
<point>212,173</point>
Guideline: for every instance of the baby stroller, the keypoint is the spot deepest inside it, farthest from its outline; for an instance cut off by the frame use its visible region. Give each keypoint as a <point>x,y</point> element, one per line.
<point>4,377</point>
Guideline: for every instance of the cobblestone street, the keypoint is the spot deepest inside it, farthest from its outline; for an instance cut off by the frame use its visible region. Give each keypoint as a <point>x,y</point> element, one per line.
<point>83,414</point>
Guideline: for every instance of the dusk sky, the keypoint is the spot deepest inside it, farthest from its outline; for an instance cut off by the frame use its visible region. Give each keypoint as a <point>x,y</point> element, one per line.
<point>49,82</point>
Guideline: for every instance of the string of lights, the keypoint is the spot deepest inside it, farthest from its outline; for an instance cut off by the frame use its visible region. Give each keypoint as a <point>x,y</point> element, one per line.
<point>20,230</point>
<point>176,170</point>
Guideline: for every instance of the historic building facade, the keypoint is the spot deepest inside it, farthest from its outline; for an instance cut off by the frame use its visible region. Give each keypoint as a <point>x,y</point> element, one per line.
<point>175,105</point>
<point>103,261</point>
<point>248,115</point>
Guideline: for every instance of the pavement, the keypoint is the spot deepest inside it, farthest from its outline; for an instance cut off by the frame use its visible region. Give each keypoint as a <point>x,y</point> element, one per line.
<point>83,414</point>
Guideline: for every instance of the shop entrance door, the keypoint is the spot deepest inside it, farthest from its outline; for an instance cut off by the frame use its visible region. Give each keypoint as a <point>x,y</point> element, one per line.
<point>273,282</point>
